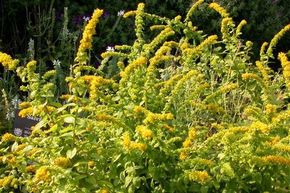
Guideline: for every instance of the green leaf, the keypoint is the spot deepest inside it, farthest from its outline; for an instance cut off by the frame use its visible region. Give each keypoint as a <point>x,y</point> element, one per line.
<point>69,119</point>
<point>71,153</point>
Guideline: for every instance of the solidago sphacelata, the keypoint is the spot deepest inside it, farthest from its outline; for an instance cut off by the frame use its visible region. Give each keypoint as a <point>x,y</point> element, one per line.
<point>185,110</point>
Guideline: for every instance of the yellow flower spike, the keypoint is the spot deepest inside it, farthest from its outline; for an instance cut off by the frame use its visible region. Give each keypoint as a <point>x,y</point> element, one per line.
<point>30,169</point>
<point>192,9</point>
<point>42,174</point>
<point>139,62</point>
<point>8,137</point>
<point>26,112</point>
<point>126,141</point>
<point>129,14</point>
<point>276,159</point>
<point>247,76</point>
<point>270,109</point>
<point>62,162</point>
<point>24,105</point>
<point>264,71</point>
<point>157,27</point>
<point>144,131</point>
<point>138,146</point>
<point>31,65</point>
<point>167,127</point>
<point>86,41</point>
<point>197,50</point>
<point>263,48</point>
<point>5,182</point>
<point>286,68</point>
<point>199,176</point>
<point>240,26</point>
<point>8,62</point>
<point>104,190</point>
<point>228,87</point>
<point>282,147</point>
<point>183,155</point>
<point>192,133</point>
<point>276,39</point>
<point>219,9</point>
<point>260,126</point>
<point>226,22</point>
<point>187,143</point>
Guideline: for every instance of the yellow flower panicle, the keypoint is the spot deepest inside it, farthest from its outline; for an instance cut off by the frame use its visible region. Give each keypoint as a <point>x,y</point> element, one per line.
<point>276,39</point>
<point>199,176</point>
<point>282,116</point>
<point>126,140</point>
<point>167,127</point>
<point>263,48</point>
<point>129,14</point>
<point>62,162</point>
<point>154,117</point>
<point>30,169</point>
<point>89,31</point>
<point>276,159</point>
<point>197,50</point>
<point>8,137</point>
<point>240,26</point>
<point>42,175</point>
<point>219,9</point>
<point>104,190</point>
<point>95,82</point>
<point>247,76</point>
<point>187,143</point>
<point>141,61</point>
<point>183,155</point>
<point>6,181</point>
<point>286,67</point>
<point>270,109</point>
<point>226,22</point>
<point>264,71</point>
<point>24,105</point>
<point>144,131</point>
<point>26,112</point>
<point>192,9</point>
<point>282,147</point>
<point>260,126</point>
<point>131,145</point>
<point>7,61</point>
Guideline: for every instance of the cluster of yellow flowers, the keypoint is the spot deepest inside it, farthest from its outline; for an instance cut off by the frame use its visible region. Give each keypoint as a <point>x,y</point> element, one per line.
<point>276,159</point>
<point>8,137</point>
<point>199,176</point>
<point>139,62</point>
<point>153,117</point>
<point>8,181</point>
<point>197,50</point>
<point>192,9</point>
<point>8,62</point>
<point>286,67</point>
<point>86,41</point>
<point>131,145</point>
<point>42,174</point>
<point>276,38</point>
<point>62,162</point>
<point>187,143</point>
<point>144,131</point>
<point>265,128</point>
<point>219,9</point>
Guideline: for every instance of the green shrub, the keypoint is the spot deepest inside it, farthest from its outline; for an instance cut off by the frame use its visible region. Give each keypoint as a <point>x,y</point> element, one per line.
<point>187,112</point>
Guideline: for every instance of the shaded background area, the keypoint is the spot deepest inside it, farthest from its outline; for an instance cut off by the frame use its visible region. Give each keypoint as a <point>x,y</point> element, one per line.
<point>43,21</point>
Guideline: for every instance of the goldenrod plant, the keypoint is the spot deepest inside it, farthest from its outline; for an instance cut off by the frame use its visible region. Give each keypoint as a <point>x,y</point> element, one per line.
<point>187,112</point>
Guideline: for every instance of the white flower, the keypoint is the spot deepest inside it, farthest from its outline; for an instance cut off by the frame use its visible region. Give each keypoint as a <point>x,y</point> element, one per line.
<point>121,13</point>
<point>86,18</point>
<point>110,49</point>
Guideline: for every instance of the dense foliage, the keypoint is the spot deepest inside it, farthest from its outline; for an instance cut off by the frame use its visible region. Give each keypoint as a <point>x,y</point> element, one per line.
<point>184,112</point>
